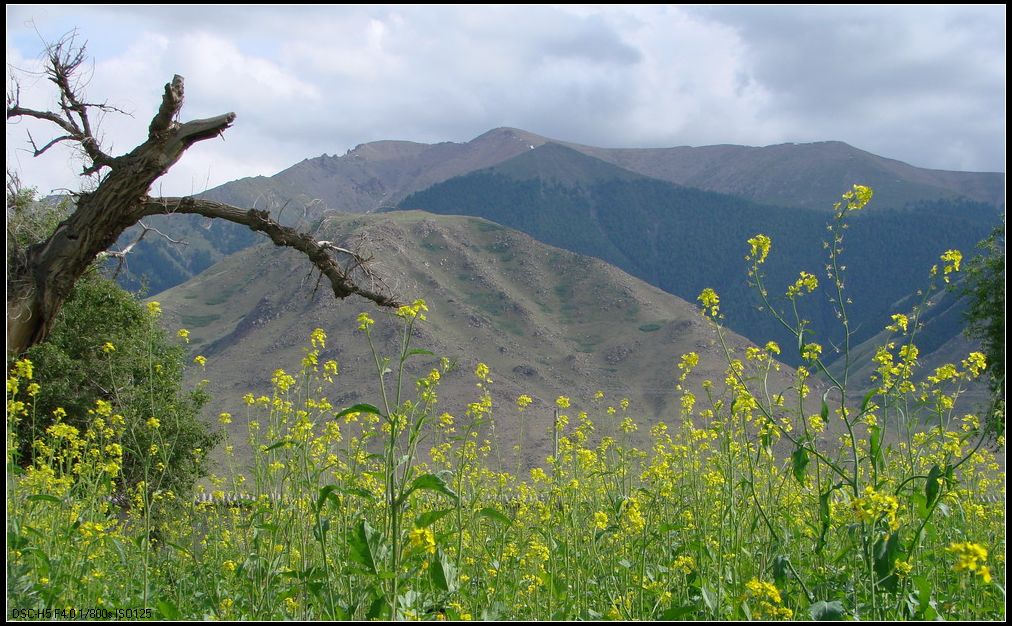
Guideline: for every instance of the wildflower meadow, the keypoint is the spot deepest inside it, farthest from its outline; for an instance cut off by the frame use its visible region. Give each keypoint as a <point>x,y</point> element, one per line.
<point>753,503</point>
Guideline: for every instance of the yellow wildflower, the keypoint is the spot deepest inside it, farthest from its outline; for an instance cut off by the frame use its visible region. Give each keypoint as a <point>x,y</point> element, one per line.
<point>710,301</point>
<point>760,247</point>
<point>423,539</point>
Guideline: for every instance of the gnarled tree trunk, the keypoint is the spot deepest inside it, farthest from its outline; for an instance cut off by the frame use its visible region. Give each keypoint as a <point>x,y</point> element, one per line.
<point>41,279</point>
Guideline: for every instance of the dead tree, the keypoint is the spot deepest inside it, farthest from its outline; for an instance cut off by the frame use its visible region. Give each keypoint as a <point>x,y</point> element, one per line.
<point>40,280</point>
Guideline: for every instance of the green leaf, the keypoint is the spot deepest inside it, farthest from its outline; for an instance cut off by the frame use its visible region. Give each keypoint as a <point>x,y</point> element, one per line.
<point>415,351</point>
<point>181,549</point>
<point>708,598</point>
<point>42,497</point>
<point>430,517</point>
<point>885,552</point>
<point>823,519</point>
<point>933,487</point>
<point>876,446</point>
<point>277,444</point>
<point>431,482</point>
<point>824,412</point>
<point>678,613</point>
<point>16,541</point>
<point>320,532</point>
<point>168,610</point>
<point>494,515</point>
<point>359,408</point>
<point>358,491</point>
<point>327,493</point>
<point>337,613</point>
<point>867,399</point>
<point>558,588</point>
<point>379,609</point>
<point>923,587</point>
<point>442,573</point>
<point>799,463</point>
<point>362,545</point>
<point>823,611</point>
<point>781,568</point>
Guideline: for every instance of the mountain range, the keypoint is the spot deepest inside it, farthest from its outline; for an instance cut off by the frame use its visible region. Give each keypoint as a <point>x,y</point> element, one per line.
<point>677,218</point>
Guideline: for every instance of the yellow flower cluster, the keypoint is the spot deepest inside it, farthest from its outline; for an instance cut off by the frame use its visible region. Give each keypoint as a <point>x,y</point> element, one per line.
<point>318,338</point>
<point>811,351</point>
<point>685,563</point>
<point>874,506</point>
<point>760,247</point>
<point>364,322</point>
<point>971,558</point>
<point>282,381</point>
<point>857,198</point>
<point>415,310</point>
<point>770,604</point>
<point>710,301</point>
<point>423,539</point>
<point>804,281</point>
<point>952,260</point>
<point>633,521</point>
<point>900,323</point>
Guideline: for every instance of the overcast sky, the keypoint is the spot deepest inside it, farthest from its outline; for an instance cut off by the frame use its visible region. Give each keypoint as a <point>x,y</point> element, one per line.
<point>925,85</point>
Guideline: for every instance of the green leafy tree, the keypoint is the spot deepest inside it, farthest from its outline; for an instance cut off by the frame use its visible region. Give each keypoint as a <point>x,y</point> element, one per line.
<point>106,346</point>
<point>985,287</point>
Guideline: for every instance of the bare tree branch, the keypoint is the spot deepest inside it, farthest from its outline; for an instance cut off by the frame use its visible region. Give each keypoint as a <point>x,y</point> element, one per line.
<point>172,101</point>
<point>318,252</point>
<point>64,59</point>
<point>39,151</point>
<point>122,254</point>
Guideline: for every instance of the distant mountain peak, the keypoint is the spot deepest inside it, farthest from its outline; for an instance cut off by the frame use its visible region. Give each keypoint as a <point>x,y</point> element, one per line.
<point>563,164</point>
<point>508,134</point>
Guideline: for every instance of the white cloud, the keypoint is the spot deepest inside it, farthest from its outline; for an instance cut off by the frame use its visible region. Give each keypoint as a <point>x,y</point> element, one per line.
<point>925,85</point>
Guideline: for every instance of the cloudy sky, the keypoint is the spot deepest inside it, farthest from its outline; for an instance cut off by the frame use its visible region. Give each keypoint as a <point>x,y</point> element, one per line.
<point>925,85</point>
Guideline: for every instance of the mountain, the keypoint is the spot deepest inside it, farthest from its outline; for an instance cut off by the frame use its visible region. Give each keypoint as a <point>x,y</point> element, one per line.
<point>548,322</point>
<point>377,174</point>
<point>383,173</point>
<point>807,175</point>
<point>683,239</point>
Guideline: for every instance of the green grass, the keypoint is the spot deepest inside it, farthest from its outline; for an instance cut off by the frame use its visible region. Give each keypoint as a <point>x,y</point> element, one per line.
<point>223,295</point>
<point>198,321</point>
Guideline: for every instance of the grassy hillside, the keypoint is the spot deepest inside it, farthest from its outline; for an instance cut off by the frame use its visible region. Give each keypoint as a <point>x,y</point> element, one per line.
<point>547,322</point>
